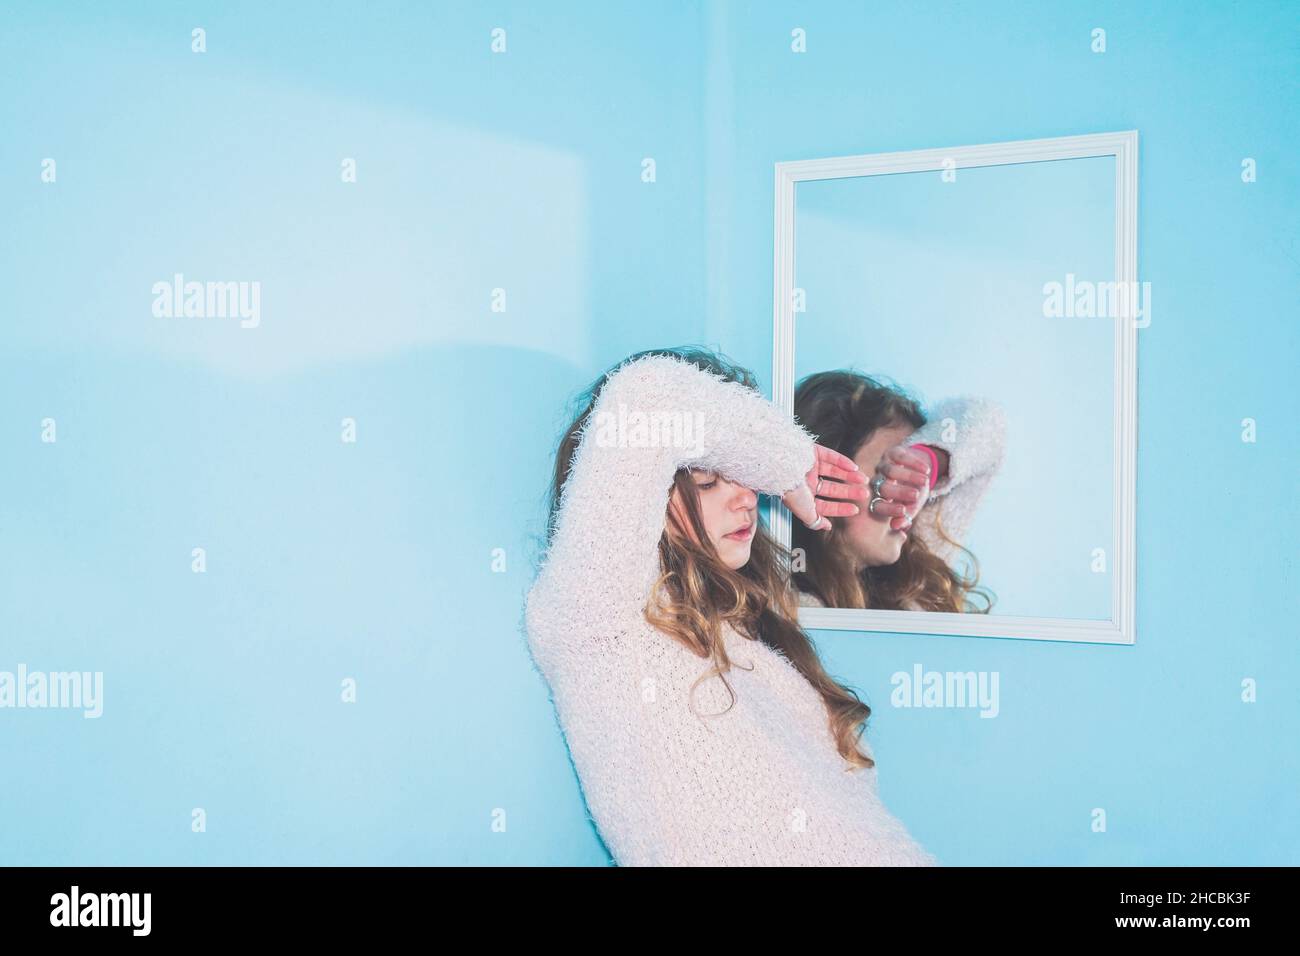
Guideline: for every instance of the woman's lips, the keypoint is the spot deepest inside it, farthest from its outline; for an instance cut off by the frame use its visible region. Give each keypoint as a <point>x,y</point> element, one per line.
<point>741,535</point>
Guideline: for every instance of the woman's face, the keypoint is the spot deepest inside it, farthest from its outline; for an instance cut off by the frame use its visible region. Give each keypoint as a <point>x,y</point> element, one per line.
<point>729,512</point>
<point>868,538</point>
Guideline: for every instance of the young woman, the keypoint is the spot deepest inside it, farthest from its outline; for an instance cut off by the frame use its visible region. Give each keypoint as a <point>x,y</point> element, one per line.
<point>928,480</point>
<point>703,727</point>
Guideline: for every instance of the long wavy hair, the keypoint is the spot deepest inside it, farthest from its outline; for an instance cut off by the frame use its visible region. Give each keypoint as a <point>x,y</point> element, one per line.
<point>844,408</point>
<point>696,593</point>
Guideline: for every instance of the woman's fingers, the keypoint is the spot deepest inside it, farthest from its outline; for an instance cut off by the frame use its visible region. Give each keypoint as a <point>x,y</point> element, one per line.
<point>829,458</point>
<point>884,508</point>
<point>839,491</point>
<point>834,473</point>
<point>909,458</point>
<point>836,509</point>
<point>898,491</point>
<point>803,506</point>
<point>836,478</point>
<point>835,483</point>
<point>900,487</point>
<point>904,475</point>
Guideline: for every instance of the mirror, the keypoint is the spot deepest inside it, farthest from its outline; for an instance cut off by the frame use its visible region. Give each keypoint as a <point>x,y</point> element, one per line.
<point>974,311</point>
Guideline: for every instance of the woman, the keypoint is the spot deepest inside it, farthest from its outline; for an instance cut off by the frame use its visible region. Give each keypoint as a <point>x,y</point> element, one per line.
<point>898,553</point>
<point>658,578</point>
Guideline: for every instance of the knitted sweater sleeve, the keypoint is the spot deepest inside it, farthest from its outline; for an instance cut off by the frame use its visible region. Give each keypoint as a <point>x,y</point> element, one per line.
<point>654,415</point>
<point>973,432</point>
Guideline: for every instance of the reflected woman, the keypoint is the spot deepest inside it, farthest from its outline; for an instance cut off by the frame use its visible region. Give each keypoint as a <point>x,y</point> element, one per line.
<point>928,480</point>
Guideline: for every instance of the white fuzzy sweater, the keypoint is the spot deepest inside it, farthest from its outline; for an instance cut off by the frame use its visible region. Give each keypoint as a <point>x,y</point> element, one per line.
<point>972,431</point>
<point>760,783</point>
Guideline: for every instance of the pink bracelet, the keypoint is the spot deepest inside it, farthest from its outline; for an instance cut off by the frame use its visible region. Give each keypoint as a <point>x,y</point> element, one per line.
<point>934,462</point>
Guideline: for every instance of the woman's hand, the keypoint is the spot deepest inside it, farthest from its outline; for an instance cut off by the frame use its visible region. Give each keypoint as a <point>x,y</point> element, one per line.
<point>900,486</point>
<point>831,486</point>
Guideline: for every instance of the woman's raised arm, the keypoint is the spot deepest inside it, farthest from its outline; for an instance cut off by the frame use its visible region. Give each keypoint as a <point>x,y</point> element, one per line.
<point>655,414</point>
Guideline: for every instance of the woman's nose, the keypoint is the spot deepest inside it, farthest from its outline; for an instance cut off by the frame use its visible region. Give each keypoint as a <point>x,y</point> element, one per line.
<point>744,499</point>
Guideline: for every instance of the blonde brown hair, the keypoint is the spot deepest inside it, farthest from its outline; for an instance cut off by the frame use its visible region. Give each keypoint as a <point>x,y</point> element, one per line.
<point>697,594</point>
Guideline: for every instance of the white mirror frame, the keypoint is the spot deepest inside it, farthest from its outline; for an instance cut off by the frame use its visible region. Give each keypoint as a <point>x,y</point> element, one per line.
<point>1119,629</point>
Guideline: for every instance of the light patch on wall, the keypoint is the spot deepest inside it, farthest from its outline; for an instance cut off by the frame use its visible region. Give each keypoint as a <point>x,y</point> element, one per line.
<point>440,215</point>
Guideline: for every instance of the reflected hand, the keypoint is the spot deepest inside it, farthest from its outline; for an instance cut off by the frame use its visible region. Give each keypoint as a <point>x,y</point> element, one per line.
<point>901,486</point>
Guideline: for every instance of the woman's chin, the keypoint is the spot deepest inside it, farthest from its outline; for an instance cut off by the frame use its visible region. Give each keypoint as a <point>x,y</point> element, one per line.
<point>734,556</point>
<point>887,551</point>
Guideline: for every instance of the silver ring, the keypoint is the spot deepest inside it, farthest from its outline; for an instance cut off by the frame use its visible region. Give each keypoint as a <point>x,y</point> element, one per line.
<point>871,505</point>
<point>819,488</point>
<point>877,483</point>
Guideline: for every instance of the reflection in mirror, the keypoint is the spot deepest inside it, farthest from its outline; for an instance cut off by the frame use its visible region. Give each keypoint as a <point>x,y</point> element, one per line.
<point>931,339</point>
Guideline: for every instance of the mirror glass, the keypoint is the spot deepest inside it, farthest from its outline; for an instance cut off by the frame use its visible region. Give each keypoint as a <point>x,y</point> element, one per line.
<point>951,308</point>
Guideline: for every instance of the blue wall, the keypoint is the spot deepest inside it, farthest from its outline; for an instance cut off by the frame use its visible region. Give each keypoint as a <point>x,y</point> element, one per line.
<point>1154,733</point>
<point>523,171</point>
